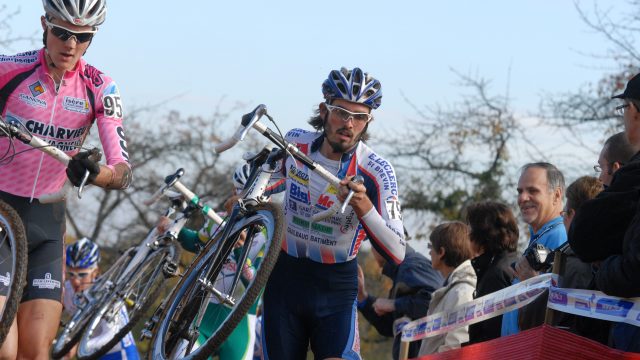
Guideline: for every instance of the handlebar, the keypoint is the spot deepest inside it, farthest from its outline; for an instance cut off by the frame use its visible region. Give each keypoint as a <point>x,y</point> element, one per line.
<point>35,142</point>
<point>173,181</point>
<point>251,120</point>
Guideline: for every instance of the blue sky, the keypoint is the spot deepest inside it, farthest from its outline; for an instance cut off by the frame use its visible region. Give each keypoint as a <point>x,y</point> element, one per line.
<point>278,52</point>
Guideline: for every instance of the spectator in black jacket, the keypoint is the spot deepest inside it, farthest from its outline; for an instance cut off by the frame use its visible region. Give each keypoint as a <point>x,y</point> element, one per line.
<point>494,239</point>
<point>606,230</point>
<point>414,280</point>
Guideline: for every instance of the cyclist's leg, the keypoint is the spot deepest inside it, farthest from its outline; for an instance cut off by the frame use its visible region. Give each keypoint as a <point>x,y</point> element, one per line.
<point>336,336</point>
<point>285,333</point>
<point>335,316</point>
<point>37,326</point>
<point>41,306</point>
<point>9,349</point>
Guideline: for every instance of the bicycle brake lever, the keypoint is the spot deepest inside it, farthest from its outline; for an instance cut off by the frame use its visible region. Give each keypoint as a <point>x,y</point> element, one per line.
<point>358,179</point>
<point>94,155</point>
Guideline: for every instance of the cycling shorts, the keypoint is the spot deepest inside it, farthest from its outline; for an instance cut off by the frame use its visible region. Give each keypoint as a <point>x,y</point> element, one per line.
<point>44,225</point>
<point>306,302</point>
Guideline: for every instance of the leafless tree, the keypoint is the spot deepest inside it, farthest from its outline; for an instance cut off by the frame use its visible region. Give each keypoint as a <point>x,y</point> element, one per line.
<point>589,108</point>
<point>457,153</point>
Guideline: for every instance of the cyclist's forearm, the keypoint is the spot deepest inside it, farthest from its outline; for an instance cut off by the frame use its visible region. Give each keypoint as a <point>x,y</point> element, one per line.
<point>117,176</point>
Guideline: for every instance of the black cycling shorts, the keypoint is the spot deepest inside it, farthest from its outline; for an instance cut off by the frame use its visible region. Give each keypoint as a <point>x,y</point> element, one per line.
<point>307,303</point>
<point>45,227</point>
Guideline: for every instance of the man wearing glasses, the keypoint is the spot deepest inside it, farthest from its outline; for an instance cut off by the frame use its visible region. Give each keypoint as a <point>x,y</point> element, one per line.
<point>606,230</point>
<point>310,299</point>
<point>54,94</point>
<point>616,152</point>
<point>82,259</point>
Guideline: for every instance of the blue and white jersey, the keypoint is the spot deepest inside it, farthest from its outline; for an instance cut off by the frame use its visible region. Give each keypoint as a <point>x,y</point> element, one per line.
<point>338,238</point>
<point>126,349</point>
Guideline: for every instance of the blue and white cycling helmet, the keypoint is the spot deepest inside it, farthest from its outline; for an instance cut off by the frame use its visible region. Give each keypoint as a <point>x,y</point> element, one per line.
<point>77,12</point>
<point>83,254</point>
<point>353,85</point>
<point>240,176</point>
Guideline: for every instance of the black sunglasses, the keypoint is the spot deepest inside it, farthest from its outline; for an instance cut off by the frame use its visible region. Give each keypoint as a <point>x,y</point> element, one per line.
<point>65,34</point>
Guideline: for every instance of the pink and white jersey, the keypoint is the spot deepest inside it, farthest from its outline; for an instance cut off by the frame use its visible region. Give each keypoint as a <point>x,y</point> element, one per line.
<point>63,118</point>
<point>338,238</point>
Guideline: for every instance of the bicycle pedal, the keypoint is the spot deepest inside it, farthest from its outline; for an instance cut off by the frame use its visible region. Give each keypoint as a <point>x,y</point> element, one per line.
<point>170,269</point>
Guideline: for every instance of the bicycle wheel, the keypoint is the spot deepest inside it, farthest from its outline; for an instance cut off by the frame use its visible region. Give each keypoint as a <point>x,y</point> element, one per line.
<point>178,325</point>
<point>120,312</point>
<point>13,258</point>
<point>89,302</point>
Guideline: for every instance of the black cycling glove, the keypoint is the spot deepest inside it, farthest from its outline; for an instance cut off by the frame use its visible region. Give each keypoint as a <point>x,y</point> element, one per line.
<point>78,165</point>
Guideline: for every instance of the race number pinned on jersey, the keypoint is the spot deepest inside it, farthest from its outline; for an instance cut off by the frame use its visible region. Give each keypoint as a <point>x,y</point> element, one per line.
<point>112,106</point>
<point>393,208</point>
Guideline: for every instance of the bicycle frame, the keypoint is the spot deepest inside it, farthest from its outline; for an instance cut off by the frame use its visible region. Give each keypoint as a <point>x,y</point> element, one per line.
<point>250,121</point>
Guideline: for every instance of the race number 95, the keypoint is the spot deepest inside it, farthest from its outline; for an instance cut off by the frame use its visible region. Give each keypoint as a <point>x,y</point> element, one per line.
<point>112,106</point>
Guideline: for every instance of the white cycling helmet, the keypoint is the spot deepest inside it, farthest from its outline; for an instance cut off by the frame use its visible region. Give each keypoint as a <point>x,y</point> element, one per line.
<point>240,176</point>
<point>77,12</point>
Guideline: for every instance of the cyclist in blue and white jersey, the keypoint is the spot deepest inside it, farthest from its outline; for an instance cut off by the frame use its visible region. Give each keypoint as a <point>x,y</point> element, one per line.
<point>82,258</point>
<point>310,298</point>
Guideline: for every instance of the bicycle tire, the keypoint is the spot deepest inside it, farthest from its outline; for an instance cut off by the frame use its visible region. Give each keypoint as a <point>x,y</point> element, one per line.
<point>152,288</point>
<point>14,236</point>
<point>271,217</point>
<point>72,330</point>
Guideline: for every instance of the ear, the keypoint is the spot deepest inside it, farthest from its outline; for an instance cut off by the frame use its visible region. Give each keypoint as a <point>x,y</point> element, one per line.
<point>323,109</point>
<point>44,25</point>
<point>615,166</point>
<point>557,196</point>
<point>440,253</point>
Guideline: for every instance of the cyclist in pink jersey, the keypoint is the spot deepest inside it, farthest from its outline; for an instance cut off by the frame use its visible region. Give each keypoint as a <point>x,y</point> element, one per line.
<point>57,96</point>
<point>310,298</point>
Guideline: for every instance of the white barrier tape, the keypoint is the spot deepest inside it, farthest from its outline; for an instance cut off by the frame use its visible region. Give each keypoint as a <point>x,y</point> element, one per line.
<point>595,304</point>
<point>486,307</point>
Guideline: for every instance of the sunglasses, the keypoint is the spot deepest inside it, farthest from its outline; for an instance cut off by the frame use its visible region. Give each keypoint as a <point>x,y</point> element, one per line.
<point>345,115</point>
<point>78,274</point>
<point>65,34</point>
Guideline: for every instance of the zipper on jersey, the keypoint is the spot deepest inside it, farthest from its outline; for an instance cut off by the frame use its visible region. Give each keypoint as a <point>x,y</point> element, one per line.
<point>53,111</point>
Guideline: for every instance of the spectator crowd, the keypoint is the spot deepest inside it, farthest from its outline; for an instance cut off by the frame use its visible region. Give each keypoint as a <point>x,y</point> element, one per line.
<point>593,222</point>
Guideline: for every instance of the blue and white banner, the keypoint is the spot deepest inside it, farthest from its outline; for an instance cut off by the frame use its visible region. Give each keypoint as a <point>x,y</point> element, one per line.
<point>486,307</point>
<point>595,304</point>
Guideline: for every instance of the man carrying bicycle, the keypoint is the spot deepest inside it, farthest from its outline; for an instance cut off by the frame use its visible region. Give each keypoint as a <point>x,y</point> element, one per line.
<point>310,298</point>
<point>54,94</point>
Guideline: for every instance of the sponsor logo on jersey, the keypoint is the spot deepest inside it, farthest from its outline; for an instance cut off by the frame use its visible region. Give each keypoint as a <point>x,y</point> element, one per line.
<point>393,208</point>
<point>46,283</point>
<point>94,75</point>
<point>37,88</point>
<point>298,175</point>
<point>324,202</point>
<point>5,280</point>
<point>32,101</point>
<point>298,193</point>
<point>75,105</point>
